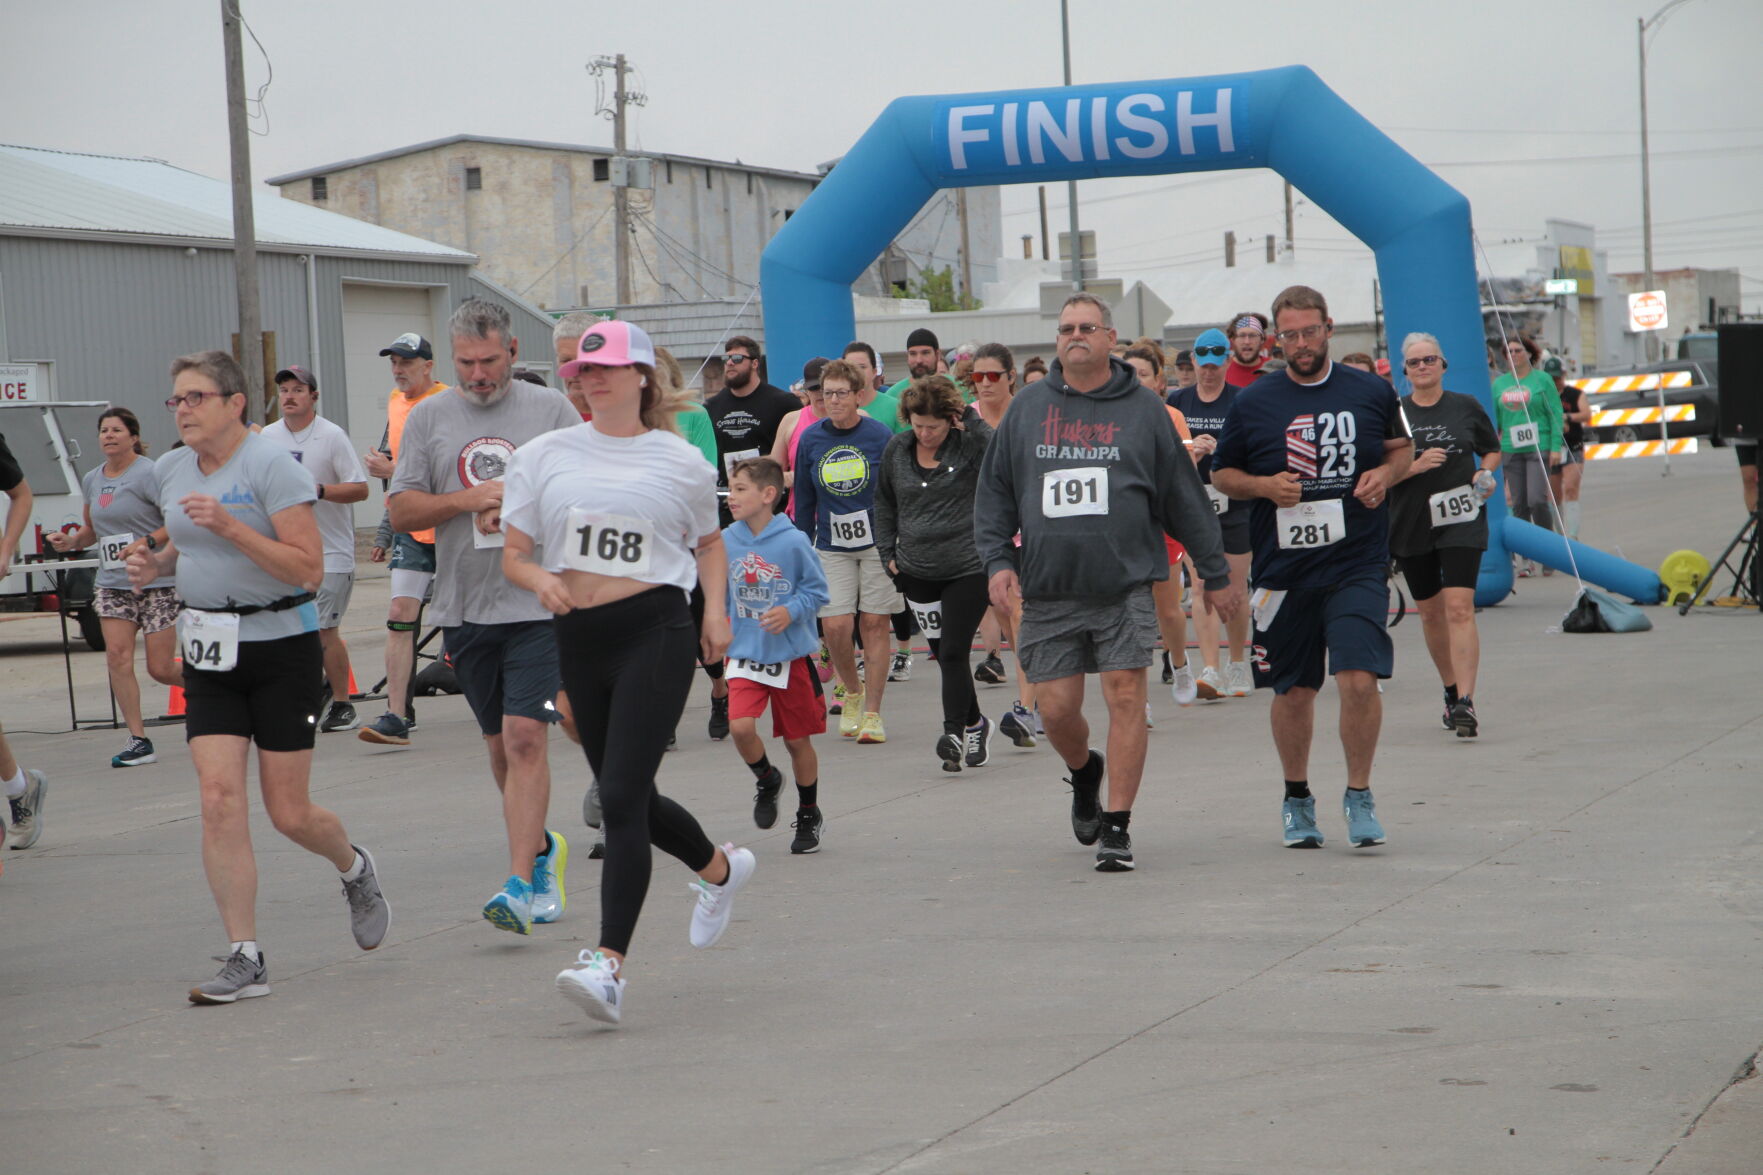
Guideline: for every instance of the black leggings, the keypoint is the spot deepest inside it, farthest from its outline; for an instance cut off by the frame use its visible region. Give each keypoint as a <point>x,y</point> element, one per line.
<point>964,603</point>
<point>627,667</point>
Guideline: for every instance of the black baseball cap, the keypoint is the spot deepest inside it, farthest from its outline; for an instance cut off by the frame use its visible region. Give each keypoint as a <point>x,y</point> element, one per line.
<point>811,371</point>
<point>411,346</point>
<point>299,373</point>
<point>1184,358</point>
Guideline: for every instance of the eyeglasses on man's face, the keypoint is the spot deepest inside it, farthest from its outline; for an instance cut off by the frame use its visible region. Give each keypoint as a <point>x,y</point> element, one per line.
<point>837,393</point>
<point>193,399</point>
<point>736,357</point>
<point>1081,328</point>
<point>1302,334</point>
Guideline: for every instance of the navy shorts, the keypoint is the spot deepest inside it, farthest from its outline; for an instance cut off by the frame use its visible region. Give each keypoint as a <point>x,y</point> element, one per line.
<point>506,669</point>
<point>1345,620</point>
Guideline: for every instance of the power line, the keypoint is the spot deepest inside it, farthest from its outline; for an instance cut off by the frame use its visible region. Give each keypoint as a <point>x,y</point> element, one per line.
<point>1512,132</point>
<point>572,246</point>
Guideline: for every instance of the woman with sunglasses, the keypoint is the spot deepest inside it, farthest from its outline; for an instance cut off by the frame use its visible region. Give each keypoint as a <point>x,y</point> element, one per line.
<point>924,535</point>
<point>1438,530</point>
<point>1528,415</point>
<point>1206,404</point>
<point>248,559</point>
<point>994,384</point>
<point>624,511</point>
<point>122,505</point>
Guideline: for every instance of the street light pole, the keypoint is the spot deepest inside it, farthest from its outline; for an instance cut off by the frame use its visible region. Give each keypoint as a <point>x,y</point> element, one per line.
<point>1077,252</point>
<point>1642,26</point>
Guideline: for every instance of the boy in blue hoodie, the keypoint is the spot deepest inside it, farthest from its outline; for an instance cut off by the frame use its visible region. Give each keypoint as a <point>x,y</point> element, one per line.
<point>775,588</point>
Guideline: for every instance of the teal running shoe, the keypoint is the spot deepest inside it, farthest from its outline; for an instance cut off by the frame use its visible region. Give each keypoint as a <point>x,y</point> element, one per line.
<point>1300,821</point>
<point>1363,830</point>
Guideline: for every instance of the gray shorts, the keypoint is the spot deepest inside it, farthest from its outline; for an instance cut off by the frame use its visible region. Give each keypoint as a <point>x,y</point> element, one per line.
<point>1065,638</point>
<point>333,597</point>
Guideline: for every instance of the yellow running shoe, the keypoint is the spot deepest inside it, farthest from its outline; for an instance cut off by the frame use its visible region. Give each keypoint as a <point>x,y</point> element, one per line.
<point>852,716</point>
<point>872,731</point>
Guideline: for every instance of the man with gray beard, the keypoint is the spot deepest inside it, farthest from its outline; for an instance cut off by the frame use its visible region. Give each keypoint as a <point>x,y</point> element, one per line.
<point>449,476</point>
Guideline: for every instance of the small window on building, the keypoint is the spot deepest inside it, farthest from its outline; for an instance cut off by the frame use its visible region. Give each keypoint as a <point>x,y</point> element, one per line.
<point>749,183</point>
<point>320,188</point>
<point>789,212</point>
<point>602,171</point>
<point>670,171</point>
<point>707,177</point>
<point>474,179</point>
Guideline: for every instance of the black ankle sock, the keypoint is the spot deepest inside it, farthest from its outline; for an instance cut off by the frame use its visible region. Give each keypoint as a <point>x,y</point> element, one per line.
<point>1117,819</point>
<point>1297,789</point>
<point>1450,695</point>
<point>806,797</point>
<point>762,768</point>
<point>1090,772</point>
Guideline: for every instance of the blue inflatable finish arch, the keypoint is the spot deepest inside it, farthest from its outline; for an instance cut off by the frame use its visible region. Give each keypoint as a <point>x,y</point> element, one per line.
<point>1284,119</point>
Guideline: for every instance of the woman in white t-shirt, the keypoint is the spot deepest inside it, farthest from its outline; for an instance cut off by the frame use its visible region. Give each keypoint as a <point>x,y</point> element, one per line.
<point>611,524</point>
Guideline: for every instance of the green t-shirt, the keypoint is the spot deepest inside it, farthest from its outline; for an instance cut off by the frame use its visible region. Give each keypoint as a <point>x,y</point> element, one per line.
<point>1528,402</point>
<point>695,426</point>
<point>886,408</point>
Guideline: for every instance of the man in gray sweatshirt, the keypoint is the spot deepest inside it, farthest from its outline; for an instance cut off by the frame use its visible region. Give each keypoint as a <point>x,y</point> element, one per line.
<point>1088,467</point>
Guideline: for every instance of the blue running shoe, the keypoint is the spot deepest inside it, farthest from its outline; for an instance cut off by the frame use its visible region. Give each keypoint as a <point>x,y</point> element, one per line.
<point>1300,821</point>
<point>1363,830</point>
<point>548,896</point>
<point>512,909</point>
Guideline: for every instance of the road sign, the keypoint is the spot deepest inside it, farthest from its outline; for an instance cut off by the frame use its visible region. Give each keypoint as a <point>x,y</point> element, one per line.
<point>1556,287</point>
<point>1646,311</point>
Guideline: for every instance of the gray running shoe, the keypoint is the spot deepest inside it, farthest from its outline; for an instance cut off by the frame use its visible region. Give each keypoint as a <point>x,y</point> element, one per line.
<point>240,979</point>
<point>340,716</point>
<point>370,915</point>
<point>27,810</point>
<point>138,753</point>
<point>591,805</point>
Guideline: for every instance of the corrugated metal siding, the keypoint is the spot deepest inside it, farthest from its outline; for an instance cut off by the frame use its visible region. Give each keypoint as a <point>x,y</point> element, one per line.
<point>111,317</point>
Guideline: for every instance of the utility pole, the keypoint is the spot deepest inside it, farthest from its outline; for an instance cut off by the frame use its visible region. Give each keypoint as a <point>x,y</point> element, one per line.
<point>1652,22</point>
<point>244,220</point>
<point>1230,248</point>
<point>1289,246</point>
<point>966,262</point>
<point>1046,248</point>
<point>1077,249</point>
<point>621,226</point>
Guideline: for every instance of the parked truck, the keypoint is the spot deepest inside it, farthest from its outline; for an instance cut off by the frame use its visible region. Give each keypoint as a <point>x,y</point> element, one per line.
<point>56,445</point>
<point>1694,358</point>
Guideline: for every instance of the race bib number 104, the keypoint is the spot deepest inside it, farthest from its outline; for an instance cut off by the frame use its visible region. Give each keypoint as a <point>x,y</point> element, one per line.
<point>209,640</point>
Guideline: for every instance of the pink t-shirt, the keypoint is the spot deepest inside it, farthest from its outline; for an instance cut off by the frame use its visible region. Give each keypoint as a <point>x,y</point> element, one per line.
<point>803,420</point>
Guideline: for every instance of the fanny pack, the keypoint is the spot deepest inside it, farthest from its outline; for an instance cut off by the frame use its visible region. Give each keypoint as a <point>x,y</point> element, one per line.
<point>281,605</point>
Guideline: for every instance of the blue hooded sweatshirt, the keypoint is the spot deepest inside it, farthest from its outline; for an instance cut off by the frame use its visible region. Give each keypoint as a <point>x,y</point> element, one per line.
<point>776,566</point>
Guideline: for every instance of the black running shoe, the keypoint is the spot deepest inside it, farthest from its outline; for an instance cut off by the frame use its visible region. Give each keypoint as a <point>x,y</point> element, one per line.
<point>1463,718</point>
<point>1168,671</point>
<point>949,751</point>
<point>1445,719</point>
<point>990,671</point>
<point>1086,806</point>
<point>718,726</point>
<point>1115,855</point>
<point>977,743</point>
<point>765,802</point>
<point>809,824</point>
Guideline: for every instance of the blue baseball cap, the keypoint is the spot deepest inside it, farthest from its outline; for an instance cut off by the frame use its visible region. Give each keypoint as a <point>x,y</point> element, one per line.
<point>1215,342</point>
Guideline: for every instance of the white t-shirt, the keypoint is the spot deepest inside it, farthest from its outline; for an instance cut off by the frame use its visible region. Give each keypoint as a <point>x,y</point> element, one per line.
<point>324,449</point>
<point>657,481</point>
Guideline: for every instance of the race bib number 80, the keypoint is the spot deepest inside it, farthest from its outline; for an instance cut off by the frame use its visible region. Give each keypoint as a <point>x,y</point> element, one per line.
<point>1524,436</point>
<point>209,640</point>
<point>608,544</point>
<point>1070,493</point>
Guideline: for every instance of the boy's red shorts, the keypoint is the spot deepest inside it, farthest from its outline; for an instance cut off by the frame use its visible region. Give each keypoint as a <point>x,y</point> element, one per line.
<point>1176,550</point>
<point>797,711</point>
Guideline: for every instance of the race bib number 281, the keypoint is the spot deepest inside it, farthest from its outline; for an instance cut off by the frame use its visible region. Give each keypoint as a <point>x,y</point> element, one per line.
<point>1321,523</point>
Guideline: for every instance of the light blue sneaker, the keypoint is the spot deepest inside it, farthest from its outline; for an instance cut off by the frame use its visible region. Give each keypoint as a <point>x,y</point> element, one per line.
<point>1363,830</point>
<point>1300,821</point>
<point>512,909</point>
<point>548,895</point>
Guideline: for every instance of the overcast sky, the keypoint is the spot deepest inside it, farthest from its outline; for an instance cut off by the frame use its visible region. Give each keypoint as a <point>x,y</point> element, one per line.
<point>1507,99</point>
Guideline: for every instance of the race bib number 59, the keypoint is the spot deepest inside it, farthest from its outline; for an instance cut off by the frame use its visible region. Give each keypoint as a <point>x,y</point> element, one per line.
<point>608,544</point>
<point>209,640</point>
<point>1069,493</point>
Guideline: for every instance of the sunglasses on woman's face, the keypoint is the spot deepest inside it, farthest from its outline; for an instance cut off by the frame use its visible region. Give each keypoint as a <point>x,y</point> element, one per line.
<point>1211,352</point>
<point>988,377</point>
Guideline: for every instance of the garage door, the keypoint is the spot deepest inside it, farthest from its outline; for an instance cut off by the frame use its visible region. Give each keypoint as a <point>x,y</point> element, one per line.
<point>372,317</point>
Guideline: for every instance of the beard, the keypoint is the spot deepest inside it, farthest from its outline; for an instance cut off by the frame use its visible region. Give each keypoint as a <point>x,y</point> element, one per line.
<point>919,371</point>
<point>490,398</point>
<point>1307,363</point>
<point>746,377</point>
<point>1248,359</point>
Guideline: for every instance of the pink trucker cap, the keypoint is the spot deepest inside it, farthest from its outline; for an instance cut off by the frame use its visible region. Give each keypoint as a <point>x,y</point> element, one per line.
<point>611,344</point>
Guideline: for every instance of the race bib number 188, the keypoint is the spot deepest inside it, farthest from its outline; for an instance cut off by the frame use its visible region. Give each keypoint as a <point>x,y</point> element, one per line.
<point>608,544</point>
<point>850,531</point>
<point>1070,493</point>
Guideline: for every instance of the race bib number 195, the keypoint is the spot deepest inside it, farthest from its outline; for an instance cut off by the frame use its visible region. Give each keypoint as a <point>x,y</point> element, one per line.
<point>1451,506</point>
<point>608,544</point>
<point>1069,493</point>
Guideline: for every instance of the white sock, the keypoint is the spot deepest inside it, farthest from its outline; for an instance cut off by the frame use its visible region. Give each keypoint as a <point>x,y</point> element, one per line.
<point>249,946</point>
<point>15,786</point>
<point>353,872</point>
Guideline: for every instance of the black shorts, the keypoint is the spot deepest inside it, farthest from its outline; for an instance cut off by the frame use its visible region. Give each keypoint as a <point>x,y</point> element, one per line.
<point>270,696</point>
<point>1345,620</point>
<point>1234,525</point>
<point>506,669</point>
<point>1746,452</point>
<point>1446,567</point>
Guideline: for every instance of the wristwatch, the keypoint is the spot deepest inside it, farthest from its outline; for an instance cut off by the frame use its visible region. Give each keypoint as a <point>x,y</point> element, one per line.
<point>321,491</point>
<point>151,544</point>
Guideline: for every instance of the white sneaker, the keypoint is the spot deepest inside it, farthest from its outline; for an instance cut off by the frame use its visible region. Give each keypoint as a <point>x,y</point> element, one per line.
<point>1184,690</point>
<point>1210,684</point>
<point>593,985</point>
<point>1150,722</point>
<point>716,902</point>
<point>1241,683</point>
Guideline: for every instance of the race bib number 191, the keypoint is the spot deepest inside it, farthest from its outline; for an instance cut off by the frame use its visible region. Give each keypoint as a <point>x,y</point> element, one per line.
<point>608,544</point>
<point>209,640</point>
<point>1070,493</point>
<point>1311,524</point>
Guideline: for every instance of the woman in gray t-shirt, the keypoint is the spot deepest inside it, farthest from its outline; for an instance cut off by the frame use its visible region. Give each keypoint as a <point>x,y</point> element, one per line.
<point>248,557</point>
<point>122,505</point>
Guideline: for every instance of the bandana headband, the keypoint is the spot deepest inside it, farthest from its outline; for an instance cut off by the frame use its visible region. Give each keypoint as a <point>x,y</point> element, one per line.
<point>1249,321</point>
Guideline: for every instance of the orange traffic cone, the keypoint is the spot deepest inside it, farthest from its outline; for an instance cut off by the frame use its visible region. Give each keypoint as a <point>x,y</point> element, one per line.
<point>354,690</point>
<point>174,707</point>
